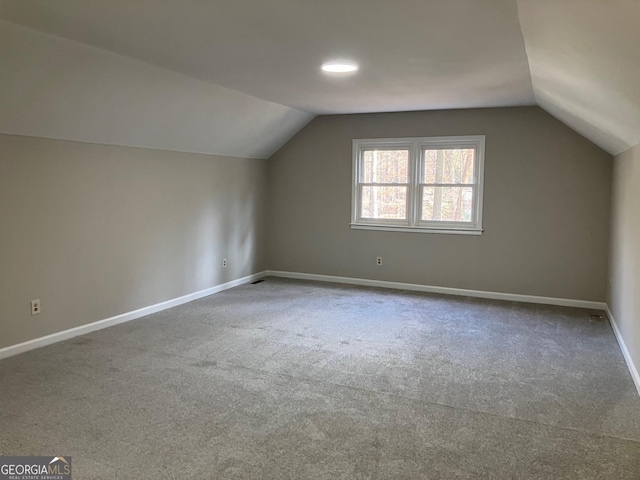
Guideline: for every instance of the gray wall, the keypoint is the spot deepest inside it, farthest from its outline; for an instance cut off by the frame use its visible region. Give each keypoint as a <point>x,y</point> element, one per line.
<point>94,231</point>
<point>546,207</point>
<point>624,290</point>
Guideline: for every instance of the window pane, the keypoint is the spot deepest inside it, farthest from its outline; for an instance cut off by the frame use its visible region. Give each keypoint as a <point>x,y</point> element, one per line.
<point>449,166</point>
<point>384,202</point>
<point>385,166</point>
<point>447,204</point>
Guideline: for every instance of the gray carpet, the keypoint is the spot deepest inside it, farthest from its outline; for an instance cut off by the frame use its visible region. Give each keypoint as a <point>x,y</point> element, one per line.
<point>289,379</point>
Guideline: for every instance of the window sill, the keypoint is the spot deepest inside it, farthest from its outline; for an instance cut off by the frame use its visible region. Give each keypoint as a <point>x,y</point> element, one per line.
<point>400,228</point>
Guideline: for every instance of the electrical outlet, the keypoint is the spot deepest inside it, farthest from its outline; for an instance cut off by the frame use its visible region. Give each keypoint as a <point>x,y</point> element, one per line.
<point>224,263</point>
<point>378,260</point>
<point>35,307</point>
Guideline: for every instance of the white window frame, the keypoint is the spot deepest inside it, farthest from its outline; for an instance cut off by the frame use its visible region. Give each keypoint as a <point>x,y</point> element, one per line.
<point>416,147</point>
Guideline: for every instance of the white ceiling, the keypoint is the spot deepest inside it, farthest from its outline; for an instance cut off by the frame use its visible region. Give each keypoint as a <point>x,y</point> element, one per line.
<point>414,54</point>
<point>585,65</point>
<point>577,59</point>
<point>52,87</point>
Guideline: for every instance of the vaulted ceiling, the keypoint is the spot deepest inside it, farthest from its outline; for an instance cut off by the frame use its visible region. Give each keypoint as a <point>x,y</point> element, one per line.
<point>584,58</point>
<point>576,59</point>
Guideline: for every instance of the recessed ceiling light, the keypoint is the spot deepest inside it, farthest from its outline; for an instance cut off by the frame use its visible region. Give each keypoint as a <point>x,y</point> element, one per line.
<point>339,67</point>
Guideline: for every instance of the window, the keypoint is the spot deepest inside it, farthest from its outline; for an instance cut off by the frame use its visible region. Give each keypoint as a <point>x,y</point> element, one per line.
<point>418,184</point>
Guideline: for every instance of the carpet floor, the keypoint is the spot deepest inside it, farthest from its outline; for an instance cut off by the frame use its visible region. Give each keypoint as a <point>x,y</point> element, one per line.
<point>288,379</point>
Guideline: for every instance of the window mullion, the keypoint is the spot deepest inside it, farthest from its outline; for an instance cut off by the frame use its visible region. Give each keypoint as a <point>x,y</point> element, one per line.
<point>371,184</point>
<point>412,194</point>
<point>462,185</point>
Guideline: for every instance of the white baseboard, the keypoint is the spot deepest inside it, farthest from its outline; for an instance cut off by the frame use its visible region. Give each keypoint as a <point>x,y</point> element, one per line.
<point>125,317</point>
<point>565,302</point>
<point>625,351</point>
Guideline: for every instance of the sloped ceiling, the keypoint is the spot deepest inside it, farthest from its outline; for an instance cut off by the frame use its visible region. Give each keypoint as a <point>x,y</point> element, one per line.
<point>584,58</point>
<point>259,61</point>
<point>414,54</point>
<point>56,88</point>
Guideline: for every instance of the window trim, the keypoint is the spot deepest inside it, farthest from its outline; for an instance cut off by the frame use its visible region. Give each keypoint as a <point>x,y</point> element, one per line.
<point>416,147</point>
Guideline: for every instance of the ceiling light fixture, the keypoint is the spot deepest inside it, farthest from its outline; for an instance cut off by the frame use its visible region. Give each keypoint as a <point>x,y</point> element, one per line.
<point>339,67</point>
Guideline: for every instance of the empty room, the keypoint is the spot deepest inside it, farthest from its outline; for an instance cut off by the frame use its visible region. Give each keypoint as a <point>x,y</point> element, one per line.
<point>285,239</point>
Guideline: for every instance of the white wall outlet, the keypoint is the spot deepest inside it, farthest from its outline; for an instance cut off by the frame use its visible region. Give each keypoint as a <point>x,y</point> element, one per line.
<point>224,263</point>
<point>378,260</point>
<point>35,307</point>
